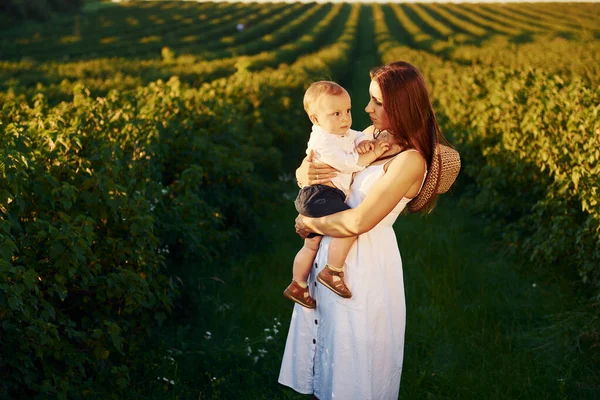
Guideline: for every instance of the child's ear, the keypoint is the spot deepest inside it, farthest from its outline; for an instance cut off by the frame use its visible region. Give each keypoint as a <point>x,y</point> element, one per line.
<point>314,119</point>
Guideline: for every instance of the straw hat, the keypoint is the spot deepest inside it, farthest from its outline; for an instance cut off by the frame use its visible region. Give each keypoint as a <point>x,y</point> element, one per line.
<point>441,174</point>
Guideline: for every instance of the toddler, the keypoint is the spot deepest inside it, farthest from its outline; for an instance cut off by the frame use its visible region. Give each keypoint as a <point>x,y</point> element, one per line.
<point>334,143</point>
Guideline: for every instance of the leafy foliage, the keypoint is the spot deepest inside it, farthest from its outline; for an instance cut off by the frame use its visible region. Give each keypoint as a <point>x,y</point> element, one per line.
<point>165,145</point>
<point>98,193</point>
<point>529,139</point>
<point>38,9</point>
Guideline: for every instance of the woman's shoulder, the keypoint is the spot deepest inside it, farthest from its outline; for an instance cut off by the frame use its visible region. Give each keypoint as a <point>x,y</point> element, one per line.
<point>408,160</point>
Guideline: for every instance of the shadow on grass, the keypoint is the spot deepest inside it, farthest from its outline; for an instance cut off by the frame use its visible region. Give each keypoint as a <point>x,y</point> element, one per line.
<point>480,323</point>
<point>483,324</point>
<point>525,37</point>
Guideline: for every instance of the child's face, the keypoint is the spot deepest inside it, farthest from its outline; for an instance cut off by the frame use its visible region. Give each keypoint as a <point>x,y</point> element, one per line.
<point>332,114</point>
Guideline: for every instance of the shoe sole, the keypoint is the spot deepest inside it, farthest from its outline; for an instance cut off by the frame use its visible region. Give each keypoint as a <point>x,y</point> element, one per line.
<point>287,294</point>
<point>322,282</point>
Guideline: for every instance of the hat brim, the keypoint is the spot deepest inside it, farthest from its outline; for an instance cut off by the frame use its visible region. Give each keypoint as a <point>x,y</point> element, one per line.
<point>444,168</point>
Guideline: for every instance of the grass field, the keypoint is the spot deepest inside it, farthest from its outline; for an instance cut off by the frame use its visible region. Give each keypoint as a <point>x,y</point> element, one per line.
<point>480,324</point>
<point>146,226</point>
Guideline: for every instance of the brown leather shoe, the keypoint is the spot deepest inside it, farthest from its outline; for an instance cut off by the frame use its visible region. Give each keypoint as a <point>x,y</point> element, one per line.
<point>300,295</point>
<point>337,286</point>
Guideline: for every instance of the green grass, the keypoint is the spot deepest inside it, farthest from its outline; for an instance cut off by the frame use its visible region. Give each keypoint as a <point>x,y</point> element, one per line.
<point>358,82</point>
<point>478,326</point>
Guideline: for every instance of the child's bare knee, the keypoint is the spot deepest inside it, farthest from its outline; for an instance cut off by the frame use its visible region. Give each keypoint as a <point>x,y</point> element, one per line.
<point>312,243</point>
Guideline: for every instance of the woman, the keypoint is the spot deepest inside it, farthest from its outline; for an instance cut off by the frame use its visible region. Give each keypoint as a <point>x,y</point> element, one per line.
<point>353,348</point>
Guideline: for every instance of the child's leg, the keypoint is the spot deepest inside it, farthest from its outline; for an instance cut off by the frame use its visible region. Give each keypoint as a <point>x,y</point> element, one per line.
<point>338,251</point>
<point>304,259</point>
<point>332,276</point>
<point>298,289</point>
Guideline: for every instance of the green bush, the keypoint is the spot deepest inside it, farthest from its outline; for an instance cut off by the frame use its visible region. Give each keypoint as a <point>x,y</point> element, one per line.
<point>529,141</point>
<point>538,176</point>
<point>81,273</point>
<point>39,9</point>
<point>98,194</point>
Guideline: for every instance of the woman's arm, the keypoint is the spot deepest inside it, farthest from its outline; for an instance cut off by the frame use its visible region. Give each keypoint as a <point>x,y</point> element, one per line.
<point>404,172</point>
<point>312,173</point>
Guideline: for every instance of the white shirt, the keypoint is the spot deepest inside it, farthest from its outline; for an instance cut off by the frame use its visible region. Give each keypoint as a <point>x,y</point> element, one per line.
<point>337,151</point>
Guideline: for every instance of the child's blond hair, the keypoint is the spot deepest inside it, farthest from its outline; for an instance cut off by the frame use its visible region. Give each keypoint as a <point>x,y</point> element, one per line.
<point>318,89</point>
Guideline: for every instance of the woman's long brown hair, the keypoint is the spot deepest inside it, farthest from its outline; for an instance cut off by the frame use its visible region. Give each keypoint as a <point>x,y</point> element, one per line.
<point>406,102</point>
<point>409,110</point>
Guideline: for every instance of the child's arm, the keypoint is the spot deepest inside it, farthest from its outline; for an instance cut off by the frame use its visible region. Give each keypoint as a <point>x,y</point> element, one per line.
<point>351,162</point>
<point>365,146</point>
<point>377,148</point>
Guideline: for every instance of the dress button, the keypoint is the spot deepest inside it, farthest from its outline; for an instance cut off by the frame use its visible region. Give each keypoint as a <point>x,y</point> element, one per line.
<point>316,265</point>
<point>316,323</point>
<point>315,283</point>
<point>314,341</point>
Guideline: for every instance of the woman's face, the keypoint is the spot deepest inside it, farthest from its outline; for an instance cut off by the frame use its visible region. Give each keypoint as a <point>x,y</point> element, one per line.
<point>375,108</point>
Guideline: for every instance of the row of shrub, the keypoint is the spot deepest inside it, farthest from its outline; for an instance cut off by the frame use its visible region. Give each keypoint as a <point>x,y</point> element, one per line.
<point>95,193</point>
<point>530,141</point>
<point>55,79</point>
<point>102,18</point>
<point>134,30</point>
<point>98,194</point>
<point>570,53</point>
<point>38,9</point>
<point>533,141</point>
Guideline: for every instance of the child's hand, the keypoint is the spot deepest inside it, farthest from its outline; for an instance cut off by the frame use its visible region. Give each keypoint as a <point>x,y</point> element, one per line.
<point>365,146</point>
<point>381,147</point>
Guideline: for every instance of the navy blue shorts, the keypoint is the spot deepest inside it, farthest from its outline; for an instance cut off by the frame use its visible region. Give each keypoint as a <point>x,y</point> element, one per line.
<point>320,200</point>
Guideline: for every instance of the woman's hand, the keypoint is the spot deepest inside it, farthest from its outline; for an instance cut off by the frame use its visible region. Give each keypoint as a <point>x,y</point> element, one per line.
<point>312,173</point>
<point>301,228</point>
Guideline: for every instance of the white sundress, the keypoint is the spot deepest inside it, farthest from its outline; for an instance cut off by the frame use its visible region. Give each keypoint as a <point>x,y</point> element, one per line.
<point>353,348</point>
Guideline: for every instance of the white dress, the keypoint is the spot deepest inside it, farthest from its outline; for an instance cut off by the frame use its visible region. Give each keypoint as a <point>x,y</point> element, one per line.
<point>353,348</point>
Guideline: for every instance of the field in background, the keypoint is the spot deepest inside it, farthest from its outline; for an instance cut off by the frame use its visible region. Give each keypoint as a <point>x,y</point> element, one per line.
<point>146,158</point>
